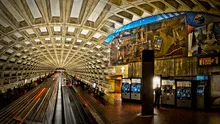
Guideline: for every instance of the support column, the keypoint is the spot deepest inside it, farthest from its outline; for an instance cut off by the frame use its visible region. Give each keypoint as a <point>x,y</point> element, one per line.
<point>147,82</point>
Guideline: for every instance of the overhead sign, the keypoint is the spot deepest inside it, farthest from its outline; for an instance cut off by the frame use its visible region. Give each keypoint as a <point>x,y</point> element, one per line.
<point>208,61</point>
<point>201,77</point>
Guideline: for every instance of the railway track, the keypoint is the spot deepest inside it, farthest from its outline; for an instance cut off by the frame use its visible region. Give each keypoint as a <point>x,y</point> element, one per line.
<point>74,111</point>
<point>29,108</point>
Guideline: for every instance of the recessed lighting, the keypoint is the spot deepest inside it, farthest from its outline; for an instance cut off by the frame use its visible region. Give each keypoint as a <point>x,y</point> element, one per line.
<point>47,38</point>
<point>98,46</point>
<point>97,35</point>
<point>84,31</point>
<point>37,40</point>
<point>71,29</point>
<point>79,41</point>
<point>68,39</point>
<point>58,38</point>
<point>89,43</point>
<point>43,29</point>
<point>57,28</point>
<point>27,42</point>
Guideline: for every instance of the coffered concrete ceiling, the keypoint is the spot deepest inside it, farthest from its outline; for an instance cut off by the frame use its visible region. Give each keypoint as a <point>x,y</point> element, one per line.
<point>46,34</point>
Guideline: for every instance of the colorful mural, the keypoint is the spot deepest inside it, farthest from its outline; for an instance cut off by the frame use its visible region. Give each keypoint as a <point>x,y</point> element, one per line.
<point>167,38</point>
<point>203,34</point>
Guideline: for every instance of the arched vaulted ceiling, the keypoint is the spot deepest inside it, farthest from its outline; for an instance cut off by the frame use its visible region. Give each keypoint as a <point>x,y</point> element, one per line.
<point>45,34</point>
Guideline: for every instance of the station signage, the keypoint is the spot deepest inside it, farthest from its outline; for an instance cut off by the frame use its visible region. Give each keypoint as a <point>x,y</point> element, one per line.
<point>208,61</point>
<point>202,77</point>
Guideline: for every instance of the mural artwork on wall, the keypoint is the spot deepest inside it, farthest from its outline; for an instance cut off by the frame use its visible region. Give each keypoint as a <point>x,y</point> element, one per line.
<point>168,38</point>
<point>203,34</point>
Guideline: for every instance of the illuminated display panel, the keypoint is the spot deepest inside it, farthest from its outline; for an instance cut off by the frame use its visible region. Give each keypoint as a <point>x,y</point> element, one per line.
<point>136,80</point>
<point>126,80</point>
<point>208,61</point>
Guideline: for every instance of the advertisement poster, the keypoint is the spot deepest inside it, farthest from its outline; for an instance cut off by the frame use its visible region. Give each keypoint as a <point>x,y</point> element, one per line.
<point>215,90</point>
<point>168,38</point>
<point>203,34</point>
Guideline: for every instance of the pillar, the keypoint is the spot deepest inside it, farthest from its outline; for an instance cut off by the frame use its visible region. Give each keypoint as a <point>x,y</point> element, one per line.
<point>147,82</point>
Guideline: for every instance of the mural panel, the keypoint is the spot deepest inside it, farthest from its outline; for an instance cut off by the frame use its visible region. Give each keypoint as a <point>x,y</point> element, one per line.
<point>168,38</point>
<point>203,34</point>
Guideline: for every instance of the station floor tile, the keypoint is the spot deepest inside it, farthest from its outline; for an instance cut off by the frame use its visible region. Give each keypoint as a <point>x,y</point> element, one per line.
<point>116,111</point>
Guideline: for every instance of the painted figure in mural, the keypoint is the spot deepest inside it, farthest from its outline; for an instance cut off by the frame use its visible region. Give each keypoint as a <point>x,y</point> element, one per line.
<point>120,47</point>
<point>176,47</point>
<point>211,45</point>
<point>217,31</point>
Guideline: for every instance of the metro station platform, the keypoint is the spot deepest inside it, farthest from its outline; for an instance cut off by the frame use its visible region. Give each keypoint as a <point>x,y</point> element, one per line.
<point>116,111</point>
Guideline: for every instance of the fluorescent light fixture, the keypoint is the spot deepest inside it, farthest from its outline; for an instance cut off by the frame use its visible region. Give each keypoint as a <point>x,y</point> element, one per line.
<point>58,44</point>
<point>58,38</point>
<point>75,46</point>
<point>99,54</point>
<point>79,41</point>
<point>98,46</point>
<point>67,45</point>
<point>91,51</point>
<point>68,39</point>
<point>43,29</point>
<point>97,35</point>
<point>37,40</point>
<point>83,48</point>
<point>47,38</point>
<point>41,45</point>
<point>50,45</point>
<point>71,29</point>
<point>84,31</point>
<point>89,43</point>
<point>57,28</point>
